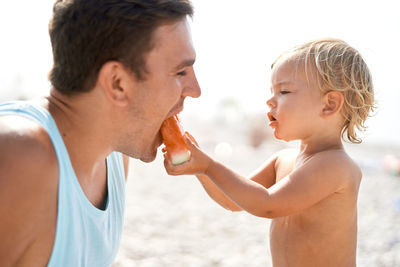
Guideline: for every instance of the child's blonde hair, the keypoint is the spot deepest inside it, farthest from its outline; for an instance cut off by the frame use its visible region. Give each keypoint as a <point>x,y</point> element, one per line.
<point>339,67</point>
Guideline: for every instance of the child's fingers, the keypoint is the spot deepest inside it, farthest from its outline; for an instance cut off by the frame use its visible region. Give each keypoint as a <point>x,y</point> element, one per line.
<point>170,168</point>
<point>167,164</point>
<point>191,138</point>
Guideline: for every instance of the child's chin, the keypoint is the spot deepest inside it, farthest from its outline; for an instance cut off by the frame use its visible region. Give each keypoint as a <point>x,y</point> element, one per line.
<point>277,136</point>
<point>282,138</point>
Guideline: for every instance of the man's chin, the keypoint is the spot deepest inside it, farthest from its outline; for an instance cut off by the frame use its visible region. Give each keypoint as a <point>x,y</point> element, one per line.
<point>149,154</point>
<point>147,160</point>
<point>149,157</point>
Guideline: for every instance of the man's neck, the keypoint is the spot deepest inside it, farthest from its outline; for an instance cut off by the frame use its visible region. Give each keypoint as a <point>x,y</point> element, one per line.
<point>84,130</point>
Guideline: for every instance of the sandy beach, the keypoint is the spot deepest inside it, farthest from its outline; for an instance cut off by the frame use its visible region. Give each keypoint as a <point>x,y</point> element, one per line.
<point>170,221</point>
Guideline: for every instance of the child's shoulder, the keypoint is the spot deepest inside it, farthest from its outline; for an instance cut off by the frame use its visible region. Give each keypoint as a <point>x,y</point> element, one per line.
<point>336,157</point>
<point>285,160</point>
<point>335,163</point>
<point>333,157</point>
<point>287,153</point>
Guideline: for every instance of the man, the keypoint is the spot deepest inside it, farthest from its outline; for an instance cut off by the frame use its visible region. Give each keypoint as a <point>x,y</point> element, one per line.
<point>121,67</point>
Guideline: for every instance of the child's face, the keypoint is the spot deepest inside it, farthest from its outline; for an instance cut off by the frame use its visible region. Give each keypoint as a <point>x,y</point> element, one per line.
<point>296,104</point>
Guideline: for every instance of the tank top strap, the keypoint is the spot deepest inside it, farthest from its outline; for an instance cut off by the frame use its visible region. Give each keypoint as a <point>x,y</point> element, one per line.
<point>85,235</point>
<point>41,116</point>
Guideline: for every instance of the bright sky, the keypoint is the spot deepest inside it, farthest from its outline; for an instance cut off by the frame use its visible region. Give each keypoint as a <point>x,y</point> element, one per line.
<point>236,41</point>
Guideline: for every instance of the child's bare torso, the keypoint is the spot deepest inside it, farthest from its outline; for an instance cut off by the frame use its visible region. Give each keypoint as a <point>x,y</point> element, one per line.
<point>322,235</point>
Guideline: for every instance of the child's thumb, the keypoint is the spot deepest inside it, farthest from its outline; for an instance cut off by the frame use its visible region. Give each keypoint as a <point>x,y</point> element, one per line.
<point>190,139</point>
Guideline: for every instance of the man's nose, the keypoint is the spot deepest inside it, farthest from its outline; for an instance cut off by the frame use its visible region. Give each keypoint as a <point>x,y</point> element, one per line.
<point>192,89</point>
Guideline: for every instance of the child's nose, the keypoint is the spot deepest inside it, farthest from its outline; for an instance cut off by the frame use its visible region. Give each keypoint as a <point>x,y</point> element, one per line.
<point>271,103</point>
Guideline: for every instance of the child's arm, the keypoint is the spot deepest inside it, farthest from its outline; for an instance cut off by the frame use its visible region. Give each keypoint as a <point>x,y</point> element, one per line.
<point>212,190</point>
<point>322,175</point>
<point>217,194</point>
<point>265,176</point>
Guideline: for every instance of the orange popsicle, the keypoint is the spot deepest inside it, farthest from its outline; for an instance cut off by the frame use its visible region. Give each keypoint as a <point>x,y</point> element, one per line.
<point>172,134</point>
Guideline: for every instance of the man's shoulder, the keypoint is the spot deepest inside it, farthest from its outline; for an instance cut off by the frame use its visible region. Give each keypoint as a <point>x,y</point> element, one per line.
<point>27,156</point>
<point>28,185</point>
<point>24,142</point>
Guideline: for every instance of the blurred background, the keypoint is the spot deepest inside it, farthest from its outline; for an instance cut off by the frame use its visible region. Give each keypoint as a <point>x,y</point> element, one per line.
<point>236,44</point>
<point>170,221</point>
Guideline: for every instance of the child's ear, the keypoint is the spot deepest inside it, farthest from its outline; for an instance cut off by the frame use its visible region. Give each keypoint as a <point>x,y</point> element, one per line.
<point>333,102</point>
<point>116,82</point>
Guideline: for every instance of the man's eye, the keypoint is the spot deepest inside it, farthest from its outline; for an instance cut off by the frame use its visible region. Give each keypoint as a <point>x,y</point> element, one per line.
<point>181,73</point>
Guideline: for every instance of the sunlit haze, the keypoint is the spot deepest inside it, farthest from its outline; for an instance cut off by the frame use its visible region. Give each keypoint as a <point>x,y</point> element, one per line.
<point>236,42</point>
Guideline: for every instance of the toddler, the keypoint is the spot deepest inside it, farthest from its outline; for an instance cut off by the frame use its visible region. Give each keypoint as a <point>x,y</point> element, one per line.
<point>321,93</point>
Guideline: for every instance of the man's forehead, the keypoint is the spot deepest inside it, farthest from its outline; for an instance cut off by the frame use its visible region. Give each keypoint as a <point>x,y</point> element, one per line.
<point>172,32</point>
<point>173,43</point>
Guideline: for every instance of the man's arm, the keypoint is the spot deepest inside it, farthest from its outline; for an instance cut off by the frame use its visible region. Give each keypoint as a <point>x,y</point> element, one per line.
<point>28,188</point>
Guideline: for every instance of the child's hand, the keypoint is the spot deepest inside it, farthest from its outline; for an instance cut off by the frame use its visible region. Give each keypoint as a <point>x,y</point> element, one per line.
<point>198,163</point>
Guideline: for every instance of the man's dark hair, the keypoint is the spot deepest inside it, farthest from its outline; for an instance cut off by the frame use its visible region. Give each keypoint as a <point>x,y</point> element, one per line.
<point>85,34</point>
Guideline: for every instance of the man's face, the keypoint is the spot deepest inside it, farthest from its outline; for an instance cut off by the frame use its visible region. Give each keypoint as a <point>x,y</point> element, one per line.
<point>170,79</point>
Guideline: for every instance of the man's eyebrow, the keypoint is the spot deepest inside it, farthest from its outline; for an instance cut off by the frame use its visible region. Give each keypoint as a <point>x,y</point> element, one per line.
<point>185,63</point>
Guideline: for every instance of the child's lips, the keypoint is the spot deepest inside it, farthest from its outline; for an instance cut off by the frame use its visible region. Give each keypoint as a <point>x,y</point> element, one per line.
<point>273,124</point>
<point>272,121</point>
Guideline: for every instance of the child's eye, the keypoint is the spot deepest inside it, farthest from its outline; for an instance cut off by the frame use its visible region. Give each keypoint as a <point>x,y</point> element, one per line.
<point>284,92</point>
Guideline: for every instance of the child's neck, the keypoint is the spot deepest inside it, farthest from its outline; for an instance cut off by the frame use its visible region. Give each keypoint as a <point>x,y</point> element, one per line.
<point>311,147</point>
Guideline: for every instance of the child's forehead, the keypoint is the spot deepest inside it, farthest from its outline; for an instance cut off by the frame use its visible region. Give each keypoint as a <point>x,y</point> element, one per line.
<point>287,70</point>
<point>293,72</point>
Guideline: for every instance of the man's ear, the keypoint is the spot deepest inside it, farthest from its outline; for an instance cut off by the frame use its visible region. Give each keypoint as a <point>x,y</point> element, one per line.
<point>333,102</point>
<point>116,82</point>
